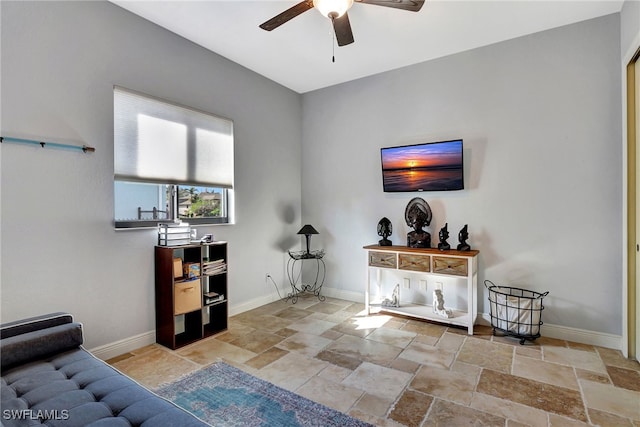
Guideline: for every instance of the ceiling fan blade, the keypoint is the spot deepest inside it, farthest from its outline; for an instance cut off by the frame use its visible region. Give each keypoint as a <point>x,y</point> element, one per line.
<point>410,5</point>
<point>287,15</point>
<point>342,27</point>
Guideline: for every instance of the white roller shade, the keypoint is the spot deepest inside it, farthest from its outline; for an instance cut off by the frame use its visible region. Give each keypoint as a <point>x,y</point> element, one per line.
<point>157,141</point>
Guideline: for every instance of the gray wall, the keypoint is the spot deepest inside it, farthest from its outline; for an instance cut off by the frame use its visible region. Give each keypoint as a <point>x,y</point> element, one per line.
<point>540,117</point>
<point>60,61</point>
<point>541,121</point>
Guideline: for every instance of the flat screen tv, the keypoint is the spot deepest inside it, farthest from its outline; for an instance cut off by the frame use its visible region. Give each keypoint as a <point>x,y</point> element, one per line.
<point>433,166</point>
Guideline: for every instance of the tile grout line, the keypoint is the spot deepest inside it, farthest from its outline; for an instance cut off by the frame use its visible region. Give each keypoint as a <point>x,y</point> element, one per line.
<point>582,396</point>
<point>354,406</point>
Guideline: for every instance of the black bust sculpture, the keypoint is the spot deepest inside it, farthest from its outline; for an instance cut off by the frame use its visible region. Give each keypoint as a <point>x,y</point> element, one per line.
<point>384,230</point>
<point>418,215</point>
<point>463,235</point>
<point>444,235</point>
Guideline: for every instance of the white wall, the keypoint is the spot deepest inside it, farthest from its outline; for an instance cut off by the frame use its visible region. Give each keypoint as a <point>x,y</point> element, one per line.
<point>60,61</point>
<point>540,118</point>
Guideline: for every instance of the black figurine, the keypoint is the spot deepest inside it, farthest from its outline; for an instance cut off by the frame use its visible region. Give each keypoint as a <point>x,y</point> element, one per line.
<point>444,235</point>
<point>463,235</point>
<point>384,230</point>
<point>417,215</point>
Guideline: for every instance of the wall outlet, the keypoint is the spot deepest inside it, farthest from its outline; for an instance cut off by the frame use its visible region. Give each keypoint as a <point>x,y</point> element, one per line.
<point>438,285</point>
<point>406,283</point>
<point>267,276</point>
<point>423,285</point>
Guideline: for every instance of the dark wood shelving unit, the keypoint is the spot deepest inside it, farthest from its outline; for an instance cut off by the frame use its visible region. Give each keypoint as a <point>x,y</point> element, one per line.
<point>189,309</point>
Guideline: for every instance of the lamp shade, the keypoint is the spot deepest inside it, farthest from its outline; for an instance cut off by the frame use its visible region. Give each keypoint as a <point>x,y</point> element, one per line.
<point>308,229</point>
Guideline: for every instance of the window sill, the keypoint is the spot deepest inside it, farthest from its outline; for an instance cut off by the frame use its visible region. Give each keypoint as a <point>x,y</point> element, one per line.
<point>139,225</point>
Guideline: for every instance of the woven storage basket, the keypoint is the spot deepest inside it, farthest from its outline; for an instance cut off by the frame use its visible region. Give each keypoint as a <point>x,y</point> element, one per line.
<point>515,311</point>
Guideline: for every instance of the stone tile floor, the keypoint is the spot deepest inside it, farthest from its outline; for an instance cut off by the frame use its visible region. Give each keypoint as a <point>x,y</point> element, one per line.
<point>393,371</point>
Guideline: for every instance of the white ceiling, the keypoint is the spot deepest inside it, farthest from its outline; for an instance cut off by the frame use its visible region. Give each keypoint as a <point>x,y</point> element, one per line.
<point>298,53</point>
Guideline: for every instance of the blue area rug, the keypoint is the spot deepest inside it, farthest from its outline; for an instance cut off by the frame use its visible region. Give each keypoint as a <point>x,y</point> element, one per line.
<point>222,395</point>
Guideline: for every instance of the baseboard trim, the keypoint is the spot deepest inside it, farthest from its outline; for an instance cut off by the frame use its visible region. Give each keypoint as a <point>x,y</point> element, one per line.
<point>273,297</point>
<point>117,348</point>
<point>344,295</point>
<point>251,304</point>
<point>600,339</point>
<point>123,346</point>
<point>582,336</point>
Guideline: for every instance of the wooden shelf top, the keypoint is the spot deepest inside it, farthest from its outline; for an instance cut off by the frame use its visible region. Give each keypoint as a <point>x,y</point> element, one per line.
<point>429,251</point>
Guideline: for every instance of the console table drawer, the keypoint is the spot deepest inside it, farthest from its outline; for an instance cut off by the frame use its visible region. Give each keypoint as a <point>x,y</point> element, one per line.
<point>414,262</point>
<point>382,259</point>
<point>449,265</point>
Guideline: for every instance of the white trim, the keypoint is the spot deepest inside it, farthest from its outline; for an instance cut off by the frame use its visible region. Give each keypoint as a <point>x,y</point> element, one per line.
<point>123,346</point>
<point>582,336</point>
<point>256,302</point>
<point>599,339</point>
<point>273,297</point>
<point>251,304</point>
<point>344,295</point>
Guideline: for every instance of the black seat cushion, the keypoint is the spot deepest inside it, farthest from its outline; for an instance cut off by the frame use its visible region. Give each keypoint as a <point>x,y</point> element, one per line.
<point>74,388</point>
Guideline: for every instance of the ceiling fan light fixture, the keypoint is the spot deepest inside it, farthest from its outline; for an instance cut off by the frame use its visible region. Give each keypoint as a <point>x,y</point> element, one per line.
<point>332,9</point>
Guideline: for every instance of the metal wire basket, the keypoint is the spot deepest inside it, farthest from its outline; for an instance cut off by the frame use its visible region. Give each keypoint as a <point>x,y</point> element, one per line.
<point>514,311</point>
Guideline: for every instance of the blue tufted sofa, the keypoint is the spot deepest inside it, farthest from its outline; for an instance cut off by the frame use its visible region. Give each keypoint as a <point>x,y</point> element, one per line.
<point>48,378</point>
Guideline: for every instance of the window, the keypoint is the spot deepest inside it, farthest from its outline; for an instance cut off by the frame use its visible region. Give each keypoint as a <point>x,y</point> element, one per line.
<point>170,162</point>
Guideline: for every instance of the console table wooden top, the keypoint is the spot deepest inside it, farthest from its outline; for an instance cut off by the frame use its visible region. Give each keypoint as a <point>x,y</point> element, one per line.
<point>430,251</point>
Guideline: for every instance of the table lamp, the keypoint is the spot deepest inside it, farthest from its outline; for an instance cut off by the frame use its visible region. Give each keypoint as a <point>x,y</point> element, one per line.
<point>308,230</point>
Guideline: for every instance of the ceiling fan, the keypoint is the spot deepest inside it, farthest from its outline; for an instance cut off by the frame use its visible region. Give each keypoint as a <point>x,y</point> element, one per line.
<point>336,11</point>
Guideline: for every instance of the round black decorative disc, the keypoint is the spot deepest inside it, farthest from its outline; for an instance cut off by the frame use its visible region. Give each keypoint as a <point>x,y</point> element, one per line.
<point>417,206</point>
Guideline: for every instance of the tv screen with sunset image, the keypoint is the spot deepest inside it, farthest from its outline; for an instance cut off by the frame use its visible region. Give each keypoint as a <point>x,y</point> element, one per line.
<point>434,166</point>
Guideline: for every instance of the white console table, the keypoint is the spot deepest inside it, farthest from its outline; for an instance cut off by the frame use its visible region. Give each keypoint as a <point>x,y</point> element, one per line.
<point>430,262</point>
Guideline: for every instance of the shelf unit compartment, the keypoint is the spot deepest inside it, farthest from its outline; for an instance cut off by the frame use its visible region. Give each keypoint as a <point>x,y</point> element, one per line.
<point>188,328</point>
<point>187,296</point>
<point>215,318</point>
<point>178,270</point>
<point>217,284</point>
